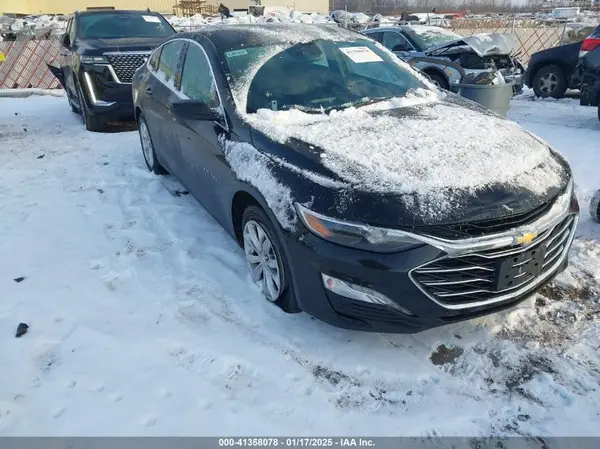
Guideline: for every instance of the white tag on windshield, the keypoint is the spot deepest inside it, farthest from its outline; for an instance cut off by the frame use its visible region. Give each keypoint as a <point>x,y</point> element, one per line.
<point>361,54</point>
<point>153,19</point>
<point>234,53</point>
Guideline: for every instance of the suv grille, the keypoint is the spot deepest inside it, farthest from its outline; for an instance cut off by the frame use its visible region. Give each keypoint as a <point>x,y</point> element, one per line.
<point>484,227</point>
<point>126,64</point>
<point>491,274</point>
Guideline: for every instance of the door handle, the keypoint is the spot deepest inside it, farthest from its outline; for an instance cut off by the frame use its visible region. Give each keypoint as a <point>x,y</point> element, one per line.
<point>148,90</point>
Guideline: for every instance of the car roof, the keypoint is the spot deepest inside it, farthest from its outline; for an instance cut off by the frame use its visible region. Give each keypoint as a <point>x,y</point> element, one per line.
<point>236,36</point>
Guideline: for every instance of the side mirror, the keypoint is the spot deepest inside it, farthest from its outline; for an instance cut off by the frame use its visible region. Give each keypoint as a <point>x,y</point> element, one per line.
<point>194,110</point>
<point>65,40</point>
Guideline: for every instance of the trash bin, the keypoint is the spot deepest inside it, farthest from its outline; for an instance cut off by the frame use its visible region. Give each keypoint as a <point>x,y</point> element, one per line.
<point>495,97</point>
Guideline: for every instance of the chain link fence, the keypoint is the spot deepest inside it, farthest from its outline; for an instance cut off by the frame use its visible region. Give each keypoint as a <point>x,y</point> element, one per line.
<point>25,62</point>
<point>27,56</point>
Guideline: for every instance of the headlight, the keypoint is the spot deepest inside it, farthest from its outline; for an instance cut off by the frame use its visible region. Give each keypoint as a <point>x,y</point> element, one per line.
<point>355,235</point>
<point>94,60</point>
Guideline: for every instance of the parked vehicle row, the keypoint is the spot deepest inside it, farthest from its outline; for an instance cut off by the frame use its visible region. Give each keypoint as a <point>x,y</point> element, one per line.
<point>320,163</point>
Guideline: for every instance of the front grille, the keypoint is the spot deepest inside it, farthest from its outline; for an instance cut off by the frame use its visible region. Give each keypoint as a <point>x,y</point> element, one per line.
<point>125,64</point>
<point>493,274</point>
<point>484,227</point>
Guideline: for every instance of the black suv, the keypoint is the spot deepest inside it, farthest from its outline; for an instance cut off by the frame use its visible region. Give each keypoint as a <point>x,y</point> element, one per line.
<point>100,52</point>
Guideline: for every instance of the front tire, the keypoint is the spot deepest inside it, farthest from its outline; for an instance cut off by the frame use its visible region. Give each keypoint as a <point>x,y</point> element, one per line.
<point>92,122</point>
<point>438,80</point>
<point>550,81</point>
<point>148,148</point>
<point>266,259</point>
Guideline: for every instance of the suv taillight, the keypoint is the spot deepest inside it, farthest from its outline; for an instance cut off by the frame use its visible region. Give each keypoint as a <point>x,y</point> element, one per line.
<point>591,43</point>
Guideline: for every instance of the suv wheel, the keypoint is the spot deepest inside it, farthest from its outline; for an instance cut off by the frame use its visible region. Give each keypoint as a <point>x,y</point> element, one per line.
<point>266,259</point>
<point>148,148</point>
<point>550,81</point>
<point>91,122</point>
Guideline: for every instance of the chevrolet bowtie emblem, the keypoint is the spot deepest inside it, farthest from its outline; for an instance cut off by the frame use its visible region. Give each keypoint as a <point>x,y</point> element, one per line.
<point>525,239</point>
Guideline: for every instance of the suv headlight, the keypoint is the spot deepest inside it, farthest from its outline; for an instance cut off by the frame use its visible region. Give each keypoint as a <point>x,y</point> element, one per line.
<point>93,60</point>
<point>356,235</point>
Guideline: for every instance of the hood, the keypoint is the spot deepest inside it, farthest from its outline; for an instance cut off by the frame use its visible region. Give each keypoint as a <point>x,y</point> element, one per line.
<point>94,47</point>
<point>409,163</point>
<point>494,44</point>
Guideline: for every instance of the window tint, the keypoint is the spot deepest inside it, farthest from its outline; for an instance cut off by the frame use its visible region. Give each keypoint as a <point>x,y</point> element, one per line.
<point>355,73</point>
<point>111,25</point>
<point>71,30</point>
<point>395,42</point>
<point>169,61</point>
<point>197,81</point>
<point>154,59</point>
<point>376,36</point>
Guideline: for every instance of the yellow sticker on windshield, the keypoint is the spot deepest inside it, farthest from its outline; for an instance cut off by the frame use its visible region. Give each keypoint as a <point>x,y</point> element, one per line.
<point>361,54</point>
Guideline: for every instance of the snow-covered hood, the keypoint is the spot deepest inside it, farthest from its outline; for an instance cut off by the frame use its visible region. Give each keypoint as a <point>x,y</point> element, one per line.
<point>493,44</point>
<point>443,158</point>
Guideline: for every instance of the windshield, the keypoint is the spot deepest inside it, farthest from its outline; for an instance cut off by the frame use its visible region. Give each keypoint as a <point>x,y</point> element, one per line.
<point>112,25</point>
<point>426,37</point>
<point>319,76</point>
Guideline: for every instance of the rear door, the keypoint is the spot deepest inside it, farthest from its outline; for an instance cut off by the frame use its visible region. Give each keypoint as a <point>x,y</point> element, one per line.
<point>397,43</point>
<point>160,91</point>
<point>205,166</point>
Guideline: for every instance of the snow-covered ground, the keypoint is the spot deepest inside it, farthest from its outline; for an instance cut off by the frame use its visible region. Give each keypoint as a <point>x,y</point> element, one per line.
<point>143,320</point>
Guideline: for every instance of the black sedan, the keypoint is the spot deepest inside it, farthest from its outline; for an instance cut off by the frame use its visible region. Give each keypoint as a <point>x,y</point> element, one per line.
<point>360,193</point>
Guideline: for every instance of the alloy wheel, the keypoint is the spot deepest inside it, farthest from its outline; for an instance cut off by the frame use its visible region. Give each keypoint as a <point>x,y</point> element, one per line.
<point>147,147</point>
<point>548,82</point>
<point>262,259</point>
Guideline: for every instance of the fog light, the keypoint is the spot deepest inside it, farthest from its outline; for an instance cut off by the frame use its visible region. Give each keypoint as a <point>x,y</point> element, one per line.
<point>360,293</point>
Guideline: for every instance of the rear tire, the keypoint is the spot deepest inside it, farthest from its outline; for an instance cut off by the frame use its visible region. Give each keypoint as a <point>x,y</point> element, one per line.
<point>438,80</point>
<point>267,260</point>
<point>92,122</point>
<point>595,207</point>
<point>550,81</point>
<point>148,148</point>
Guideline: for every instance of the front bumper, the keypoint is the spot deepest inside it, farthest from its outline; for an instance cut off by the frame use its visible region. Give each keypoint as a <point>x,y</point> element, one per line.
<point>105,97</point>
<point>397,277</point>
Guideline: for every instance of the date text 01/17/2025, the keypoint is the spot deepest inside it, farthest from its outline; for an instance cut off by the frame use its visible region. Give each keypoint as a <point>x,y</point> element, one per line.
<point>296,442</point>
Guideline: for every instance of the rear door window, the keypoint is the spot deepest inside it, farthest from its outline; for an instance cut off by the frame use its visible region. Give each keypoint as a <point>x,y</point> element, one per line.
<point>395,42</point>
<point>376,36</point>
<point>168,65</point>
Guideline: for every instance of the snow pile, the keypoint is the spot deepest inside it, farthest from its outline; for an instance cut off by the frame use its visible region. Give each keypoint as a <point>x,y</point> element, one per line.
<point>38,26</point>
<point>254,167</point>
<point>392,153</point>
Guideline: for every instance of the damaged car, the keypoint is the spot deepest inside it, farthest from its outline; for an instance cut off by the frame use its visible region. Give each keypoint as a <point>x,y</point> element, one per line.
<point>589,71</point>
<point>441,53</point>
<point>312,146</point>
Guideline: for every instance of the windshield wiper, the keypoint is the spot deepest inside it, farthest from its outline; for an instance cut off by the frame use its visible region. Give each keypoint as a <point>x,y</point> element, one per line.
<point>358,103</point>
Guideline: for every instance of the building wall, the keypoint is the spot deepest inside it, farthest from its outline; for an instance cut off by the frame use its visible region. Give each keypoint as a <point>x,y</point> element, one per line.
<point>321,6</point>
<point>68,6</point>
<point>164,6</point>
